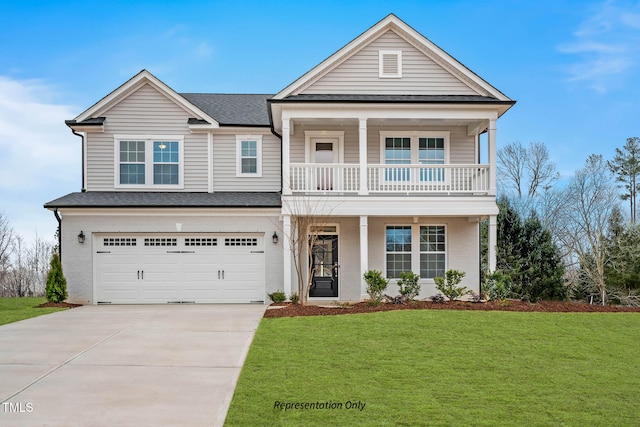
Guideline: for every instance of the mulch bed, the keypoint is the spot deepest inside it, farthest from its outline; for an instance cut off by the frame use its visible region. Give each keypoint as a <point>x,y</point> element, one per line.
<point>291,310</point>
<point>57,305</point>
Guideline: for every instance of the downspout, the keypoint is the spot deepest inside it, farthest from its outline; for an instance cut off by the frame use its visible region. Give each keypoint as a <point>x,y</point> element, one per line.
<point>84,189</point>
<point>55,212</point>
<point>273,131</point>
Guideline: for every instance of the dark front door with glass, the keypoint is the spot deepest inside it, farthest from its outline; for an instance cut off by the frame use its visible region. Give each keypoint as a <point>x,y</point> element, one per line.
<point>324,261</point>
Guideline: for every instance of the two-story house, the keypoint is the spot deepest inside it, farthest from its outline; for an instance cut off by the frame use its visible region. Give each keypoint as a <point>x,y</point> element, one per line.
<point>192,197</point>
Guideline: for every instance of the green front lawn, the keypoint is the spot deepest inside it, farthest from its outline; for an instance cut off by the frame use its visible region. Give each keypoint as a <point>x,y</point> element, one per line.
<point>14,309</point>
<point>437,367</point>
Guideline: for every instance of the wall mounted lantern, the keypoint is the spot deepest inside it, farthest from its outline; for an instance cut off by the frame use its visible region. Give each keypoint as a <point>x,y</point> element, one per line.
<point>274,238</point>
<point>81,237</point>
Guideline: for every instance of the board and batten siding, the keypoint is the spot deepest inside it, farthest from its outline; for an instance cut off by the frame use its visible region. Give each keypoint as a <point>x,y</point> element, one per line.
<point>145,112</point>
<point>225,161</point>
<point>359,74</point>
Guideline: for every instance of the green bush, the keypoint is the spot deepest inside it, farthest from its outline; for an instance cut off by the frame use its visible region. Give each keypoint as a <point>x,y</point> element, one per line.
<point>449,285</point>
<point>278,296</point>
<point>376,285</point>
<point>294,298</point>
<point>498,286</point>
<point>56,283</point>
<point>409,286</point>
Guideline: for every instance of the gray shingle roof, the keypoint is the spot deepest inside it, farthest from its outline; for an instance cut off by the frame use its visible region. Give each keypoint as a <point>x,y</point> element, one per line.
<point>233,109</point>
<point>133,199</point>
<point>463,99</point>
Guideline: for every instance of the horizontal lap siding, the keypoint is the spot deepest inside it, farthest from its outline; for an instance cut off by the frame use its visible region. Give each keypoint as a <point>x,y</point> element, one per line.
<point>359,73</point>
<point>462,146</point>
<point>145,112</point>
<point>224,164</point>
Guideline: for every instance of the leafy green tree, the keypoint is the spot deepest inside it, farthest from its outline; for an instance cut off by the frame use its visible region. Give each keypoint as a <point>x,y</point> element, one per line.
<point>626,166</point>
<point>56,282</point>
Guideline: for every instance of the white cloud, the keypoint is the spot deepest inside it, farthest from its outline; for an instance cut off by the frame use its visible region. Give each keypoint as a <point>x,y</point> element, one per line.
<point>606,45</point>
<point>40,157</point>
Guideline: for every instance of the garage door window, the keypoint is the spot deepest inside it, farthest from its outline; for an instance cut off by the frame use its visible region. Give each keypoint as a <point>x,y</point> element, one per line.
<point>161,241</point>
<point>241,241</point>
<point>119,241</point>
<point>201,241</point>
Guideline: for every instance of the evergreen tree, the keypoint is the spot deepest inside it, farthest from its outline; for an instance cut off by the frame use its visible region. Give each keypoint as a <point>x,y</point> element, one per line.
<point>56,282</point>
<point>525,252</point>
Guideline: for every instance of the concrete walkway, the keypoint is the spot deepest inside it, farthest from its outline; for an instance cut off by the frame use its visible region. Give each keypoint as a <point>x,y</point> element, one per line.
<point>157,365</point>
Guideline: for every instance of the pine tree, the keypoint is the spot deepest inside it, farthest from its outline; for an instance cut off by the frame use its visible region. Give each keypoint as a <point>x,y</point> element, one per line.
<point>56,282</point>
<point>626,166</point>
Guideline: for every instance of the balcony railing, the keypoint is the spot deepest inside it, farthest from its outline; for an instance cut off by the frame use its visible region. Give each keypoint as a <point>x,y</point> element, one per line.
<point>403,179</point>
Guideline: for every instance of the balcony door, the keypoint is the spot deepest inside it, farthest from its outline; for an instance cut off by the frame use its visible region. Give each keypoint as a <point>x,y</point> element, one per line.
<point>325,154</point>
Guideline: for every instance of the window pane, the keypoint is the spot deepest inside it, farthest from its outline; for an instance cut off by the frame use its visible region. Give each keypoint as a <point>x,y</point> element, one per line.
<point>131,174</point>
<point>249,165</point>
<point>165,174</point>
<point>249,149</point>
<point>165,152</point>
<point>432,251</point>
<point>398,246</point>
<point>432,265</point>
<point>132,151</point>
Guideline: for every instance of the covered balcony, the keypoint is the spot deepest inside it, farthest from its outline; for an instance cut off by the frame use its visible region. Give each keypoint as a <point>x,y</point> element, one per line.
<point>344,179</point>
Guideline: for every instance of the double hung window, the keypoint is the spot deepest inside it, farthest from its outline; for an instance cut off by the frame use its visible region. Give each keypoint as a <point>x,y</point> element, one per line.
<point>249,155</point>
<point>417,248</point>
<point>148,161</point>
<point>412,149</point>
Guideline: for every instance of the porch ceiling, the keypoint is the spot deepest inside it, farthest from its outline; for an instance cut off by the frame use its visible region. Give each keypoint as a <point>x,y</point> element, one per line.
<point>388,122</point>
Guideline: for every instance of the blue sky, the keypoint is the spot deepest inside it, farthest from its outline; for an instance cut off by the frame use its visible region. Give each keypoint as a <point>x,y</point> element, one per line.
<point>573,67</point>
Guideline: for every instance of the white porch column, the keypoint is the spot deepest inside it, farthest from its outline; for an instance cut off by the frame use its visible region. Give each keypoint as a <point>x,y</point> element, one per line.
<point>286,249</point>
<point>362,134</point>
<point>491,146</point>
<point>493,240</point>
<point>364,254</point>
<point>286,153</point>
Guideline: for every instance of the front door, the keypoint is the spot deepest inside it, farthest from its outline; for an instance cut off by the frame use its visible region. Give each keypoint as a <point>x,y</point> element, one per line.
<point>324,261</point>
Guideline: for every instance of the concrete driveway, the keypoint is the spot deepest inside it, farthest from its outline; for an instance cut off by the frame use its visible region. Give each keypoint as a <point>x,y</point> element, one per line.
<point>157,365</point>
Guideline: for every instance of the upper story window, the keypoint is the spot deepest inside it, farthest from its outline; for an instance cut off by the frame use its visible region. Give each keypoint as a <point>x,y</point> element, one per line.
<point>414,148</point>
<point>249,155</point>
<point>390,64</point>
<point>148,161</point>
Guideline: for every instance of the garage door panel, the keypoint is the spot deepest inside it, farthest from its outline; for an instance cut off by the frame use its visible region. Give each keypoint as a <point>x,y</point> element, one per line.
<point>178,267</point>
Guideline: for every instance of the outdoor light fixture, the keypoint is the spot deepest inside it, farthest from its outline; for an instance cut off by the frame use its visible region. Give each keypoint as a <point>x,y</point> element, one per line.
<point>275,238</point>
<point>81,237</point>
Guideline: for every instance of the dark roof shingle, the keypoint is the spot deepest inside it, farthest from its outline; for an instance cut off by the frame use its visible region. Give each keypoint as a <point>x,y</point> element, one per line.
<point>136,199</point>
<point>233,109</point>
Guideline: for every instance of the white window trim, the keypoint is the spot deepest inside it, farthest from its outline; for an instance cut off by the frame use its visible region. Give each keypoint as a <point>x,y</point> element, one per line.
<point>415,247</point>
<point>381,55</point>
<point>148,164</point>
<point>415,136</point>
<point>258,139</point>
<point>312,136</point>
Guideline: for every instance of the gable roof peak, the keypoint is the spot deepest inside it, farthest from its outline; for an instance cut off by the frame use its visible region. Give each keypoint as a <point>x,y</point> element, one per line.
<point>392,23</point>
<point>141,78</point>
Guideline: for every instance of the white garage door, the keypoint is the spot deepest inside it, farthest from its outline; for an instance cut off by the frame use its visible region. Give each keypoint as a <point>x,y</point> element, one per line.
<point>134,269</point>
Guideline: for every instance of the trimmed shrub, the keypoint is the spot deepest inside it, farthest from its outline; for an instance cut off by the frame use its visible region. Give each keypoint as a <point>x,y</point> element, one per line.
<point>498,286</point>
<point>376,285</point>
<point>277,296</point>
<point>294,298</point>
<point>56,289</point>
<point>409,286</point>
<point>448,285</point>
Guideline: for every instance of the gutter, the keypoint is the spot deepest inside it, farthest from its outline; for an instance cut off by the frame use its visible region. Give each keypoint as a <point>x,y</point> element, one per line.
<point>57,215</point>
<point>83,189</point>
<point>273,131</point>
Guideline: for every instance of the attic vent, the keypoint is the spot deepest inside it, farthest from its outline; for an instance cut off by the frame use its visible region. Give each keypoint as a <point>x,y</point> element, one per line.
<point>390,63</point>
